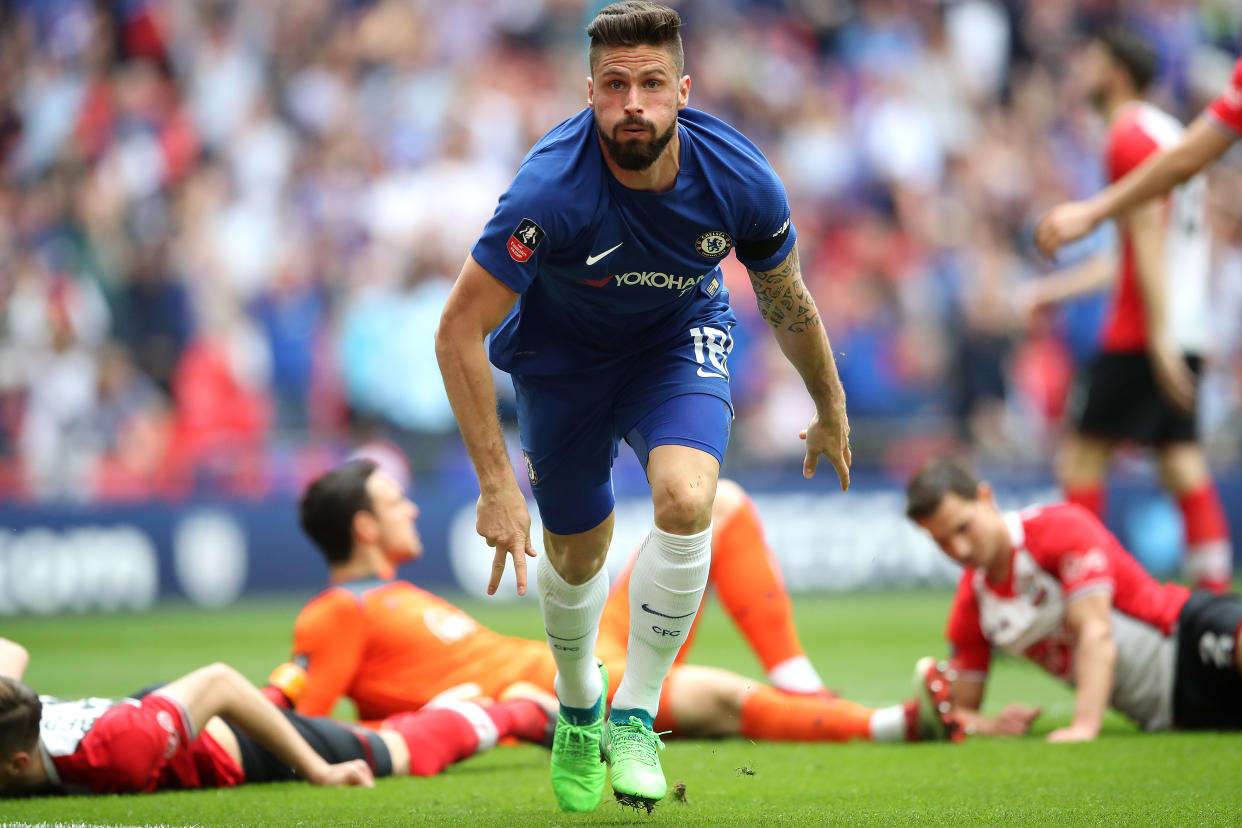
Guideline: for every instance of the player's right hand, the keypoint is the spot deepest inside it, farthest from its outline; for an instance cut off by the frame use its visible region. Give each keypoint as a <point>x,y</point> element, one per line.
<point>1063,224</point>
<point>355,773</point>
<point>504,522</point>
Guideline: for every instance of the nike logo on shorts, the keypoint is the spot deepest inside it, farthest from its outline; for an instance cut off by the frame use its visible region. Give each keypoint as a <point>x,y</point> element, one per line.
<point>662,615</point>
<point>593,259</point>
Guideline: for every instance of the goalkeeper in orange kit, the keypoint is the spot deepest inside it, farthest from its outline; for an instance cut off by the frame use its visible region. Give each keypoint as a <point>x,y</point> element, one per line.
<point>390,646</point>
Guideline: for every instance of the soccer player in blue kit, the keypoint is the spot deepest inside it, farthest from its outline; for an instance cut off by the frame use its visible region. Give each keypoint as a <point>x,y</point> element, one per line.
<point>598,280</point>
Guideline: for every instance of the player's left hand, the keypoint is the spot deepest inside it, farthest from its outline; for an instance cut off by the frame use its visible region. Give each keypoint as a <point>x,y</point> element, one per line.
<point>1074,733</point>
<point>832,439</point>
<point>355,773</point>
<point>1016,720</point>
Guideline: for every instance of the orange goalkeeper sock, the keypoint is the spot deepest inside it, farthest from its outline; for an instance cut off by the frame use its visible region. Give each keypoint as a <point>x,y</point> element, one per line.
<point>772,715</point>
<point>752,590</point>
<point>285,685</point>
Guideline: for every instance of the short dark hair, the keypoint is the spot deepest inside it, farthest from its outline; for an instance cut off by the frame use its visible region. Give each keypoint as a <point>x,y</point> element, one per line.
<point>938,477</point>
<point>327,509</point>
<point>20,710</point>
<point>1132,52</point>
<point>637,23</point>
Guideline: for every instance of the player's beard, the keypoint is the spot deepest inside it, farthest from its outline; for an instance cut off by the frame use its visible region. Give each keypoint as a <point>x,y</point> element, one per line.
<point>636,154</point>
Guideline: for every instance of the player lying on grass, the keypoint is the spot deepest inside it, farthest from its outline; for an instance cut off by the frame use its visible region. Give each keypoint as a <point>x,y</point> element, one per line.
<point>1053,585</point>
<point>391,646</point>
<point>212,728</point>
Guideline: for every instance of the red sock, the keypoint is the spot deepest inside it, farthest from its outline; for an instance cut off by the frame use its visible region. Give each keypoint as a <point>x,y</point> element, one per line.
<point>1209,553</point>
<point>1090,498</point>
<point>439,736</point>
<point>772,715</point>
<point>520,718</point>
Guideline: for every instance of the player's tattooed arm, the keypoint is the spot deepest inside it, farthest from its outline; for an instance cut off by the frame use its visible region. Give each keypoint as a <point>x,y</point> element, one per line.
<point>787,306</point>
<point>784,301</point>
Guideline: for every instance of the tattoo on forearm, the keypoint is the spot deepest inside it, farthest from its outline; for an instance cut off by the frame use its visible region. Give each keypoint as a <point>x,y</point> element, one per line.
<point>784,301</point>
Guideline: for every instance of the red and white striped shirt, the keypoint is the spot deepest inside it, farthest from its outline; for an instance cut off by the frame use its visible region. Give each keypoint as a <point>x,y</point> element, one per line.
<point>1059,554</point>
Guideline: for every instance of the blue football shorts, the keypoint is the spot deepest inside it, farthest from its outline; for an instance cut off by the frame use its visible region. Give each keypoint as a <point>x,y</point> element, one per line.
<point>571,426</point>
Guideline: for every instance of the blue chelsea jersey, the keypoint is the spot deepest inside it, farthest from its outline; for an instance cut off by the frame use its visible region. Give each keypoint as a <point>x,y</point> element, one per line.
<point>605,272</point>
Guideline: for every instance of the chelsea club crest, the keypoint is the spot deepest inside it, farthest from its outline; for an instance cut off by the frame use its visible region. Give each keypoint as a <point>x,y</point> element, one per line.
<point>713,244</point>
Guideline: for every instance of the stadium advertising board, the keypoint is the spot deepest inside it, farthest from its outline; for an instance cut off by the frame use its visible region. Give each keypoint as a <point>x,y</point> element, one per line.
<point>56,559</point>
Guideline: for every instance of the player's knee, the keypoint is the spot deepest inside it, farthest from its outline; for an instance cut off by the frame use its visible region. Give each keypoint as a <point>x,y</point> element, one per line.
<point>1080,464</point>
<point>221,674</point>
<point>683,505</point>
<point>576,562</point>
<point>682,510</point>
<point>1183,468</point>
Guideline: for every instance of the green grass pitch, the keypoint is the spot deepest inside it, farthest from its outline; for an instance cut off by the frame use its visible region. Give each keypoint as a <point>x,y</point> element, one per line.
<point>864,644</point>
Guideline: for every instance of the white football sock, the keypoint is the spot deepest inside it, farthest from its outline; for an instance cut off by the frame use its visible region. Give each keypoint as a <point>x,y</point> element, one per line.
<point>796,675</point>
<point>888,724</point>
<point>1208,561</point>
<point>481,723</point>
<point>571,622</point>
<point>666,588</point>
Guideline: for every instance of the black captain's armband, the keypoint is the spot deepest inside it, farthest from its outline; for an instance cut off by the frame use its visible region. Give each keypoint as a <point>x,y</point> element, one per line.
<point>763,248</point>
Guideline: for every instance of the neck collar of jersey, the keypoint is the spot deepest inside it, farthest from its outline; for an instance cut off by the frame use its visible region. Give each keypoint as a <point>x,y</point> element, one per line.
<point>1017,534</point>
<point>49,767</point>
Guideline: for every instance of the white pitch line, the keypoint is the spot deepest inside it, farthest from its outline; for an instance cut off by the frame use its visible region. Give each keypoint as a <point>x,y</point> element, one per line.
<point>77,825</point>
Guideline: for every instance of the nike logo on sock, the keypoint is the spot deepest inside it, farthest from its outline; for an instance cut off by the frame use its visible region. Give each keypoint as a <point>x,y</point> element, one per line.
<point>558,638</point>
<point>593,259</point>
<point>662,615</point>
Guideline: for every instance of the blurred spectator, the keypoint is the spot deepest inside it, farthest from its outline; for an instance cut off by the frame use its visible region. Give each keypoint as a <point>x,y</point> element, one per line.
<point>226,228</point>
<point>133,428</point>
<point>390,373</point>
<point>57,442</point>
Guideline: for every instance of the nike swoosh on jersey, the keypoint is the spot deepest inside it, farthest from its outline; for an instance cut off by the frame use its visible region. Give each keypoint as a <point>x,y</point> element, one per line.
<point>662,615</point>
<point>593,259</point>
<point>703,373</point>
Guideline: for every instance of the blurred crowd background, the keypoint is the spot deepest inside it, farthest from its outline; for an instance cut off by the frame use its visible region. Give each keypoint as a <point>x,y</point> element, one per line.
<point>227,228</point>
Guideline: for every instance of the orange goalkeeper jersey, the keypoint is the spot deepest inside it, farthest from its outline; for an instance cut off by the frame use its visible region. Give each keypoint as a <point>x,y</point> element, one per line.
<point>390,647</point>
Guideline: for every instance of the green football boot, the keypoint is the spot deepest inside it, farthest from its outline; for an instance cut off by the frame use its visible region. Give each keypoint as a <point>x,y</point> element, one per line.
<point>578,769</point>
<point>632,751</point>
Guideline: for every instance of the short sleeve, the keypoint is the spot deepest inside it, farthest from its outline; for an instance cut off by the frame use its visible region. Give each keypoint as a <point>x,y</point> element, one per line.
<point>1072,545</point>
<point>765,232</point>
<point>1129,146</point>
<point>1227,109</point>
<point>969,652</point>
<point>525,226</point>
<point>130,745</point>
<point>330,634</point>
